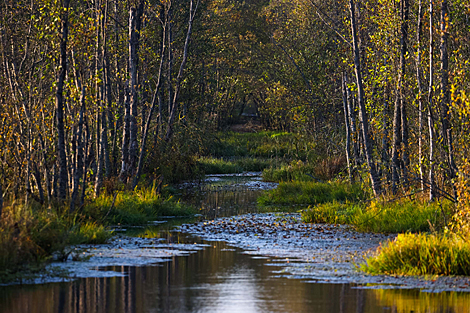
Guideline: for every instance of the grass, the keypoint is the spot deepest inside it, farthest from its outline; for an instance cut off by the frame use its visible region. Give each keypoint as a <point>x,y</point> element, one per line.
<point>421,254</point>
<point>135,207</point>
<point>323,170</point>
<point>311,193</point>
<point>379,217</point>
<point>265,144</point>
<point>30,236</point>
<point>210,165</point>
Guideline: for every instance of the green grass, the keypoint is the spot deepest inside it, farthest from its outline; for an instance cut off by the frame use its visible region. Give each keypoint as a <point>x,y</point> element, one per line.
<point>396,217</point>
<point>421,254</point>
<point>210,165</point>
<point>135,207</point>
<point>311,193</point>
<point>29,237</point>
<point>265,144</point>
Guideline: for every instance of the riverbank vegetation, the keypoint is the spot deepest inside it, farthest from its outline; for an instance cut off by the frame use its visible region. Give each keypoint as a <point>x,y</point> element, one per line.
<point>103,97</point>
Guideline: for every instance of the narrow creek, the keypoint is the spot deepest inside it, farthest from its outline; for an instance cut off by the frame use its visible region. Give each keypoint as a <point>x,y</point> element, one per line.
<point>209,265</point>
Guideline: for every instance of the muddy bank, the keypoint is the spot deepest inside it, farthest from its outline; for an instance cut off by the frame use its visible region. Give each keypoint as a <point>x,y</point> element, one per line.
<point>318,253</point>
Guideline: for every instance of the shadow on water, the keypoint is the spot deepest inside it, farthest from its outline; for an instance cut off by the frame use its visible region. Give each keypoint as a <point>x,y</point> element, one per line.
<point>219,278</point>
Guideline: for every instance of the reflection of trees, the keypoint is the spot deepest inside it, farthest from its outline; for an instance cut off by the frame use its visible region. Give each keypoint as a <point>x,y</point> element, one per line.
<point>219,280</point>
<point>402,300</point>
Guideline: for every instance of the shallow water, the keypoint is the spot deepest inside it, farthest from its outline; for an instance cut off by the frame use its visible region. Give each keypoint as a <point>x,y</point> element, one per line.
<point>217,278</point>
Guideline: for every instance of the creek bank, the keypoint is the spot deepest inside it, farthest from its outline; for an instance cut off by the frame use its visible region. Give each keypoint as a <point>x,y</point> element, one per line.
<point>92,260</point>
<point>315,253</point>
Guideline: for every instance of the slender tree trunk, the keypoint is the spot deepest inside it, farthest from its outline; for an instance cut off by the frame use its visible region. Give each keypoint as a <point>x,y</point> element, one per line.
<point>445,96</point>
<point>1,200</point>
<point>400,124</point>
<point>61,154</point>
<point>152,108</point>
<point>99,100</point>
<point>368,149</point>
<point>174,109</point>
<point>134,35</point>
<point>405,9</point>
<point>354,133</point>
<point>420,93</point>
<point>79,162</point>
<point>432,188</point>
<point>346,124</point>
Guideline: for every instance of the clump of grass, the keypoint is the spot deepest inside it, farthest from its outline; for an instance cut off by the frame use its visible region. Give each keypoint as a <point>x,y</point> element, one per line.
<point>265,144</point>
<point>311,193</point>
<point>218,166</point>
<point>325,169</point>
<point>235,165</point>
<point>379,217</point>
<point>331,213</point>
<point>421,254</point>
<point>135,207</point>
<point>399,216</point>
<point>296,170</point>
<point>29,237</point>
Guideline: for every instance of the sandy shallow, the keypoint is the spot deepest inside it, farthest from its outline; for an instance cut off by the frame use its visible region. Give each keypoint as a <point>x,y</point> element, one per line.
<point>317,253</point>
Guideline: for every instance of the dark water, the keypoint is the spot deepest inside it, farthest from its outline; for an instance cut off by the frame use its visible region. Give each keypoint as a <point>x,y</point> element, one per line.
<point>217,279</point>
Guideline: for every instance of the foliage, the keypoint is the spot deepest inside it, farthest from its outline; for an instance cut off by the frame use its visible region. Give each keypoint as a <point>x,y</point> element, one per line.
<point>421,254</point>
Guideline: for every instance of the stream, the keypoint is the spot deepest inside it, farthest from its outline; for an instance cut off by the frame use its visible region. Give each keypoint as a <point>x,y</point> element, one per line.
<point>232,258</point>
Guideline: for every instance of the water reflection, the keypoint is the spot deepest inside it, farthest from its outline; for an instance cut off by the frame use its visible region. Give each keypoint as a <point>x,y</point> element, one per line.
<point>216,280</point>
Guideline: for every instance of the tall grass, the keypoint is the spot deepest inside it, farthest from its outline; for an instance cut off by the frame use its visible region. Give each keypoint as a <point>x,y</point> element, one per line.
<point>135,207</point>
<point>210,165</point>
<point>380,217</point>
<point>311,193</point>
<point>325,170</point>
<point>30,236</point>
<point>421,254</point>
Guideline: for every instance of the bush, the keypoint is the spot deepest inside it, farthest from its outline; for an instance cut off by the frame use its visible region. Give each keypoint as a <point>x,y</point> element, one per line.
<point>421,254</point>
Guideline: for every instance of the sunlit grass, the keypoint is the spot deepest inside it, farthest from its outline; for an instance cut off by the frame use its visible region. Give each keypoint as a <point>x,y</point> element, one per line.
<point>379,217</point>
<point>311,193</point>
<point>421,254</point>
<point>210,165</point>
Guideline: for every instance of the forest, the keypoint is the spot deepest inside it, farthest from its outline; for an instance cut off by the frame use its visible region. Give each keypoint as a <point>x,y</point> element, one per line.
<point>104,97</point>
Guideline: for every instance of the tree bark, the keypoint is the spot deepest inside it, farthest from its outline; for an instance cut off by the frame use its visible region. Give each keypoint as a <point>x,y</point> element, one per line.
<point>348,130</point>
<point>400,125</point>
<point>445,96</point>
<point>368,149</point>
<point>419,34</point>
<point>432,188</point>
<point>61,154</point>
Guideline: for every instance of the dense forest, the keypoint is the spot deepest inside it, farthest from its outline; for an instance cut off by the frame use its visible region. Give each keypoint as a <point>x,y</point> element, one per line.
<point>100,93</point>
